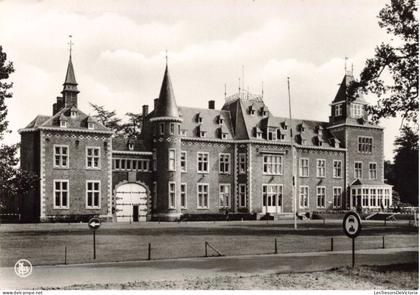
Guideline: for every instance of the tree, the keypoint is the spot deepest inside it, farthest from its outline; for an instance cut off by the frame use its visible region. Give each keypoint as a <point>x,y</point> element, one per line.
<point>133,127</point>
<point>399,59</point>
<point>406,166</point>
<point>106,118</point>
<point>14,182</point>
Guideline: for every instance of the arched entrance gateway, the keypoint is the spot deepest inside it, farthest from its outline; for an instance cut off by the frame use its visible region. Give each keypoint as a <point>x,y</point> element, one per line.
<point>131,202</point>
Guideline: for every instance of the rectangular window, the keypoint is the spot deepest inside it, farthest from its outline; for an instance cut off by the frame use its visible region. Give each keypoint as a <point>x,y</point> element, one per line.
<point>356,110</point>
<point>304,167</point>
<point>61,156</point>
<point>61,194</point>
<point>134,165</point>
<point>387,198</point>
<point>337,197</point>
<point>171,193</point>
<point>381,200</point>
<point>373,197</point>
<point>117,164</point>
<point>320,196</point>
<point>365,197</point>
<point>172,128</point>
<point>303,196</point>
<point>272,195</point>
<point>358,170</point>
<point>337,170</point>
<point>242,195</point>
<point>338,110</point>
<point>171,160</point>
<point>242,163</point>
<point>93,194</point>
<point>183,161</point>
<point>183,196</point>
<point>272,134</point>
<point>320,167</point>
<point>224,163</point>
<point>142,165</point>
<point>372,170</point>
<point>365,144</point>
<point>202,196</point>
<point>122,164</point>
<point>128,164</point>
<point>203,162</point>
<point>273,165</point>
<point>92,157</point>
<point>162,129</point>
<point>224,195</point>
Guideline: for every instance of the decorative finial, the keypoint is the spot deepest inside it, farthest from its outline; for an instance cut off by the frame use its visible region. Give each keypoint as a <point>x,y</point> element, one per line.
<point>166,56</point>
<point>239,85</point>
<point>70,43</point>
<point>262,89</point>
<point>345,65</point>
<point>225,90</point>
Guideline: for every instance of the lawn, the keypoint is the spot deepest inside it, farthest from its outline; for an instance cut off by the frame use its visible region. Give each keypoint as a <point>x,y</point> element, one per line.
<point>45,243</point>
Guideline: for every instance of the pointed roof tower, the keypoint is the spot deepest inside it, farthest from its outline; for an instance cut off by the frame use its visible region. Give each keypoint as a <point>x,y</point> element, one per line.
<point>70,90</point>
<point>166,106</point>
<point>341,95</point>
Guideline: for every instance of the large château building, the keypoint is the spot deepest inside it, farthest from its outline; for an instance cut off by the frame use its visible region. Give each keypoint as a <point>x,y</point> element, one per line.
<point>202,160</point>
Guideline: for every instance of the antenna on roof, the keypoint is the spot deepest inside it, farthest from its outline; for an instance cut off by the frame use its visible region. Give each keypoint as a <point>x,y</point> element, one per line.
<point>70,43</point>
<point>166,56</point>
<point>345,65</point>
<point>243,77</point>
<point>225,90</point>
<point>262,89</point>
<point>239,85</point>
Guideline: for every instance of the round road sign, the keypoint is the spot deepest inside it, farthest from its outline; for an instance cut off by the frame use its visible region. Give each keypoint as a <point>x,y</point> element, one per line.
<point>352,224</point>
<point>94,223</point>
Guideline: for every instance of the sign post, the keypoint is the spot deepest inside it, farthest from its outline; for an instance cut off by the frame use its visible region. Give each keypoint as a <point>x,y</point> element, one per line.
<point>94,224</point>
<point>352,226</point>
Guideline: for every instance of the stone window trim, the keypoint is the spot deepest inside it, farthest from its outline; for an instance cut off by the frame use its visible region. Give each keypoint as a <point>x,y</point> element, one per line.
<point>229,195</point>
<point>242,163</point>
<point>358,170</point>
<point>93,157</point>
<point>171,159</point>
<point>373,172</point>
<point>184,161</point>
<point>242,195</point>
<point>337,168</point>
<point>321,168</point>
<point>93,191</point>
<point>321,196</point>
<point>61,156</point>
<point>171,194</point>
<point>304,169</point>
<point>365,144</point>
<point>184,195</point>
<point>61,191</point>
<point>338,110</point>
<point>273,165</point>
<point>337,195</point>
<point>302,190</point>
<point>204,194</point>
<point>273,192</point>
<point>204,163</point>
<point>162,128</point>
<point>224,163</point>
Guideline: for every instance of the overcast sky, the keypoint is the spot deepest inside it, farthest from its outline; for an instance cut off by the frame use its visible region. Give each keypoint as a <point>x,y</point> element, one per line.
<point>119,52</point>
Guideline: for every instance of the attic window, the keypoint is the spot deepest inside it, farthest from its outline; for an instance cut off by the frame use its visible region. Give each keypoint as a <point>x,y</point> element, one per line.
<point>202,133</point>
<point>264,111</point>
<point>320,141</point>
<point>302,128</point>
<point>251,110</point>
<point>284,125</point>
<point>280,136</point>
<point>199,118</point>
<point>63,124</point>
<point>91,126</point>
<point>338,110</point>
<point>303,141</point>
<point>73,114</point>
<point>272,134</point>
<point>258,133</point>
<point>221,120</point>
<point>183,132</point>
<point>131,146</point>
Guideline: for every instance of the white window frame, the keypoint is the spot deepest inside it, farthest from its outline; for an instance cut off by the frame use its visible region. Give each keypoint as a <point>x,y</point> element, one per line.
<point>335,169</point>
<point>365,147</point>
<point>171,195</point>
<point>356,110</point>
<point>242,162</point>
<point>229,195</point>
<point>301,195</point>
<point>162,128</point>
<point>371,171</point>
<point>337,196</point>
<point>321,191</point>
<point>224,160</point>
<point>338,110</point>
<point>61,194</point>
<point>321,170</point>
<point>93,191</point>
<point>171,128</point>
<point>184,194</point>
<point>242,192</point>
<point>91,126</point>
<point>272,132</point>
<point>171,160</point>
<point>185,161</point>
<point>273,164</point>
<point>93,148</point>
<point>276,193</point>
<point>206,195</point>
<point>301,167</point>
<point>355,170</point>
<point>73,114</point>
<point>203,162</point>
<point>63,124</point>
<point>61,155</point>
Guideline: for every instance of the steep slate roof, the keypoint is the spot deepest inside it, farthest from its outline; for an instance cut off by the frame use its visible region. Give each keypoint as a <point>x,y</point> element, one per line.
<point>166,104</point>
<point>341,95</point>
<point>80,122</point>
<point>209,122</point>
<point>70,77</point>
<point>120,143</point>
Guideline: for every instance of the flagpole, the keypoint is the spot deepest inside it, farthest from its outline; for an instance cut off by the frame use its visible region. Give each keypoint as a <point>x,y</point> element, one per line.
<point>293,157</point>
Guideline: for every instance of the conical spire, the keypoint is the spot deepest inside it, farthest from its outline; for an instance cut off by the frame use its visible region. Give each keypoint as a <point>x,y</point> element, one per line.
<point>70,78</point>
<point>70,90</point>
<point>342,91</point>
<point>166,104</point>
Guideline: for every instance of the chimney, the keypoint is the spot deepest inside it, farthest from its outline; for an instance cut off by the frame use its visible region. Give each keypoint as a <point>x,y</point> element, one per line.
<point>155,106</point>
<point>145,110</point>
<point>211,104</point>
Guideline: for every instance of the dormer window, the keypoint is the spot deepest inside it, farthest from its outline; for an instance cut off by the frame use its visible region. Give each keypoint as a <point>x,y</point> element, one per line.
<point>320,141</point>
<point>320,129</point>
<point>91,126</point>
<point>251,110</point>
<point>131,146</point>
<point>280,136</point>
<point>73,114</point>
<point>202,133</point>
<point>272,134</point>
<point>264,111</point>
<point>258,133</point>
<point>183,132</point>
<point>224,135</point>
<point>302,128</point>
<point>199,118</point>
<point>303,141</point>
<point>221,121</point>
<point>63,124</point>
<point>284,125</point>
<point>338,110</point>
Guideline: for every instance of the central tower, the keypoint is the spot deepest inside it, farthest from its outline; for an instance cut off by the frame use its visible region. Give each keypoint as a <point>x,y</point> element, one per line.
<point>167,152</point>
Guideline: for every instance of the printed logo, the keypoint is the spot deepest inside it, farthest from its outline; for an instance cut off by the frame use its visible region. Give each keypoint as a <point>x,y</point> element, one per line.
<point>23,268</point>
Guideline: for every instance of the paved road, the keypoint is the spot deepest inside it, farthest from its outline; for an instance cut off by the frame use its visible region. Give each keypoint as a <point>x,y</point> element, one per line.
<point>65,275</point>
